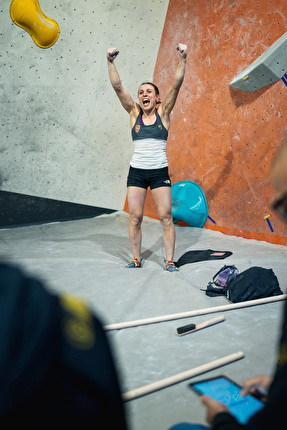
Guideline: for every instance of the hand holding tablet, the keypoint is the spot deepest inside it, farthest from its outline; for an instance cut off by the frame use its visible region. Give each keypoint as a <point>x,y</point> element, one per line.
<point>228,392</point>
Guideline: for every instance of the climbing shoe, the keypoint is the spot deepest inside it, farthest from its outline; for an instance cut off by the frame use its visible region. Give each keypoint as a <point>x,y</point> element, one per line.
<point>170,266</point>
<point>134,263</point>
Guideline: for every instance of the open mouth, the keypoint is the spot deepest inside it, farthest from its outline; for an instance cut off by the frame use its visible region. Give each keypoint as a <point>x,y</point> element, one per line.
<point>146,102</point>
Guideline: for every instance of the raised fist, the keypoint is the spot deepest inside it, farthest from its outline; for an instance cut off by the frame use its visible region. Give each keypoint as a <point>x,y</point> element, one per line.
<point>112,54</point>
<point>182,50</point>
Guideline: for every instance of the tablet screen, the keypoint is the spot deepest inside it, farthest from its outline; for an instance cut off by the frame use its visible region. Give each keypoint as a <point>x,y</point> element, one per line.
<point>228,392</point>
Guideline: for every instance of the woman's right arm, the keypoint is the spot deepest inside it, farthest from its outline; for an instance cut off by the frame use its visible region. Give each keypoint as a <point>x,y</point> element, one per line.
<point>125,98</point>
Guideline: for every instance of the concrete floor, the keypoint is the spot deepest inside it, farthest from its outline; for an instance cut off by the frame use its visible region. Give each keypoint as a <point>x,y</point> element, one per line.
<point>87,258</point>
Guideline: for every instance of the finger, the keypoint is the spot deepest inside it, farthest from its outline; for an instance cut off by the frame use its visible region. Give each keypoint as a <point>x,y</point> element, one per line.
<point>248,386</point>
<point>205,400</point>
<point>115,52</point>
<point>247,389</point>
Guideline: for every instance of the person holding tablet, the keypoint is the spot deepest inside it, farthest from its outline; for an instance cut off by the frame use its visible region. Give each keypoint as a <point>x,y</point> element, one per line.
<point>273,414</point>
<point>271,389</point>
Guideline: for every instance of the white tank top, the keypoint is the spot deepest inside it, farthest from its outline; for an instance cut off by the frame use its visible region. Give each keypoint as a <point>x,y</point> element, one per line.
<point>149,144</point>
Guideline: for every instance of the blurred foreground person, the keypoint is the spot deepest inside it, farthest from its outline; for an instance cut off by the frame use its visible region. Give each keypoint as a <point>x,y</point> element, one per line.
<point>56,367</point>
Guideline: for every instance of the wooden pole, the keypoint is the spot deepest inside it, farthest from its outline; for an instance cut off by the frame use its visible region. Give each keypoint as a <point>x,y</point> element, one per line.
<point>229,307</point>
<point>163,383</point>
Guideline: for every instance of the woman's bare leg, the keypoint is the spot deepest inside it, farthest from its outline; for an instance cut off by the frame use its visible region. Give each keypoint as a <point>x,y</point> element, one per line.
<point>136,201</point>
<point>162,197</point>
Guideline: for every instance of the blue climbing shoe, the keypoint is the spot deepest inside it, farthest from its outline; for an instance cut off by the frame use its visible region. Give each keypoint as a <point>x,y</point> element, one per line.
<point>170,266</point>
<point>134,263</point>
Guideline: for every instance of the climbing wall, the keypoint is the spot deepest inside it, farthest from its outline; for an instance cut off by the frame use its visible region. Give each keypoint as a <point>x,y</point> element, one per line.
<point>64,133</point>
<point>222,138</point>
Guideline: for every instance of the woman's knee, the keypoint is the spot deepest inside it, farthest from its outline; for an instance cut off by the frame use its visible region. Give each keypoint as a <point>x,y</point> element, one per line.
<point>136,220</point>
<point>166,220</point>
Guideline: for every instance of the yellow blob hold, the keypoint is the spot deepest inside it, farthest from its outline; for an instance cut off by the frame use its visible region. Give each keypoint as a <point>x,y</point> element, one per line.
<point>27,14</point>
<point>267,216</point>
<point>245,78</point>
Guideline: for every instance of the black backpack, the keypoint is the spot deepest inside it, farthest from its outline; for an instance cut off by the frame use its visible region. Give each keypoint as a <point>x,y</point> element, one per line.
<point>253,283</point>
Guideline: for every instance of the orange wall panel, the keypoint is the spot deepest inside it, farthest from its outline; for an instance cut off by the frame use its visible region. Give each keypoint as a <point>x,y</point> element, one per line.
<point>222,138</point>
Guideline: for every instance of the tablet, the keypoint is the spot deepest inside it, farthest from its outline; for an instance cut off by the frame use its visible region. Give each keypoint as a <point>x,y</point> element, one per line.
<point>228,392</point>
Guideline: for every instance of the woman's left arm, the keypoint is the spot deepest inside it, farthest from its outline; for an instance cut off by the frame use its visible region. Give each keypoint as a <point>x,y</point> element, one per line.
<point>171,95</point>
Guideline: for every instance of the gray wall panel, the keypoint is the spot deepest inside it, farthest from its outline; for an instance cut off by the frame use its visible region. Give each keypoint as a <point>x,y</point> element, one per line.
<point>64,134</point>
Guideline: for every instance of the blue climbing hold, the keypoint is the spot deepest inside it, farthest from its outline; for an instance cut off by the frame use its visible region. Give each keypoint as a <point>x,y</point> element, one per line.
<point>189,204</point>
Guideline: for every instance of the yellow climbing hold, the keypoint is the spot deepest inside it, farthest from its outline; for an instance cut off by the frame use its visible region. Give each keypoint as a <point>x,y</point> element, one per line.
<point>27,14</point>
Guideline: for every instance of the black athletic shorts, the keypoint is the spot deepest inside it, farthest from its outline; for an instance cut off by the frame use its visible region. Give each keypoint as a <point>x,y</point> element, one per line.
<point>144,178</point>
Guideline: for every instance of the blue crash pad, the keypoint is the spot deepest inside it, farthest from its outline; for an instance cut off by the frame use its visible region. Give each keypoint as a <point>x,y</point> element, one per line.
<point>189,203</point>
